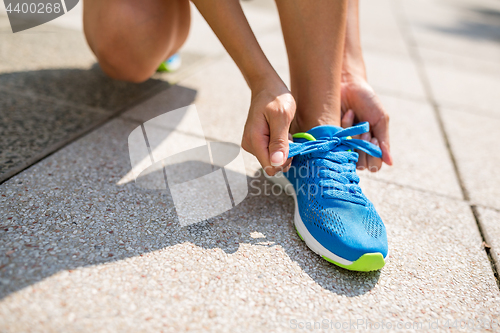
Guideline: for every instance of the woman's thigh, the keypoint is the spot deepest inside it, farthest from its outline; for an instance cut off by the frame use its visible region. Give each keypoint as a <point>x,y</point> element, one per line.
<point>131,38</point>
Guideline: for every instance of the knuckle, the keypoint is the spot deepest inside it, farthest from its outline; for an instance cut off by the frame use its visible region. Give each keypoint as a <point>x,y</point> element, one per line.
<point>282,107</point>
<point>279,141</point>
<point>385,117</point>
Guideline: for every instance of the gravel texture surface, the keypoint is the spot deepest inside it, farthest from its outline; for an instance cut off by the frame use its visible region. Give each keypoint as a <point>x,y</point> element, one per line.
<point>84,248</point>
<point>83,253</point>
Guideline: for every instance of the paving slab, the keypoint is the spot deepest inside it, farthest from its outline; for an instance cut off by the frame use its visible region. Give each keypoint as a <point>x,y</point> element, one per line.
<point>393,74</point>
<point>458,62</point>
<point>379,28</point>
<point>468,28</point>
<point>83,253</point>
<point>466,90</point>
<point>489,219</point>
<point>421,160</point>
<point>472,138</point>
<point>458,42</point>
<point>31,128</point>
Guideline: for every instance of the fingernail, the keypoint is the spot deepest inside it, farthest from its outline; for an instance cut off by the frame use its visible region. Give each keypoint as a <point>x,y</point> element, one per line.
<point>375,141</point>
<point>277,158</point>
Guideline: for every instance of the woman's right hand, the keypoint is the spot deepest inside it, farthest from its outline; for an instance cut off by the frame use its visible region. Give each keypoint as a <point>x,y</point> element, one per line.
<point>266,130</point>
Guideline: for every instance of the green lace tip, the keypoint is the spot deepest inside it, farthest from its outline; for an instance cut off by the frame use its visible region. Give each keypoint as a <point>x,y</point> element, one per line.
<point>306,136</point>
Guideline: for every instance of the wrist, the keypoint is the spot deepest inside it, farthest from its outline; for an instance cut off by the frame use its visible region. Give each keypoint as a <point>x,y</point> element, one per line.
<point>270,82</point>
<point>353,70</point>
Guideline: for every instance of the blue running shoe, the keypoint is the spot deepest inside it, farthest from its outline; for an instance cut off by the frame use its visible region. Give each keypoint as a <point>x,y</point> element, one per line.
<point>171,64</point>
<point>332,215</point>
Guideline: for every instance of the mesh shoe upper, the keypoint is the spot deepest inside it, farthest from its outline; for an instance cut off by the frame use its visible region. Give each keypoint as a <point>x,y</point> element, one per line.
<point>330,201</point>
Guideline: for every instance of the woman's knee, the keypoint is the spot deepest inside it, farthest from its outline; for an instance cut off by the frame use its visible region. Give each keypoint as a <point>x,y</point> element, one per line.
<point>124,66</point>
<point>130,43</point>
<point>117,54</point>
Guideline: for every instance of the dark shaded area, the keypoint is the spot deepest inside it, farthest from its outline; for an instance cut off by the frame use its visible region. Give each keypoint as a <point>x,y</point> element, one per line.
<point>41,111</point>
<point>81,87</point>
<point>484,24</point>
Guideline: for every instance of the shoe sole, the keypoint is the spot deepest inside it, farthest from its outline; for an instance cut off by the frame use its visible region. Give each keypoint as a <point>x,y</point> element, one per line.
<point>366,263</point>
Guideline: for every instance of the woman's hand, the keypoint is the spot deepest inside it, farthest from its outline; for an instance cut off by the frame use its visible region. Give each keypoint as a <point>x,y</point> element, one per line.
<point>266,130</point>
<point>360,103</point>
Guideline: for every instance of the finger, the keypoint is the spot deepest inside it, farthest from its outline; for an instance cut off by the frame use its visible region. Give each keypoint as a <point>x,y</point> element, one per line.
<point>257,145</point>
<point>361,165</point>
<point>381,132</point>
<point>285,167</point>
<point>362,161</point>
<point>278,140</point>
<point>288,162</point>
<point>348,119</point>
<point>374,164</point>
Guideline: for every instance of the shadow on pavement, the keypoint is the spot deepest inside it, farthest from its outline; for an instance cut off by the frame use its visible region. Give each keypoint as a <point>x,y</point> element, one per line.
<point>71,242</point>
<point>69,211</point>
<point>41,111</point>
<point>484,26</point>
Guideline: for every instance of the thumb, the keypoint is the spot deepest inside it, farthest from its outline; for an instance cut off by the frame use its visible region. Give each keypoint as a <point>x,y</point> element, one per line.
<point>278,141</point>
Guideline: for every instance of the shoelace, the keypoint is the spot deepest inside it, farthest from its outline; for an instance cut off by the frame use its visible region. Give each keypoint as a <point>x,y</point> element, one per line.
<point>336,165</point>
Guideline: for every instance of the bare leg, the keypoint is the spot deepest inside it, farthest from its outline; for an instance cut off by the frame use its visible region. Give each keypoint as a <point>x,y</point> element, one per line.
<point>314,33</point>
<point>131,38</point>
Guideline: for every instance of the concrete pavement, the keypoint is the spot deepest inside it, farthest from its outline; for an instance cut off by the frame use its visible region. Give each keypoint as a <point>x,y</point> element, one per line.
<point>83,250</point>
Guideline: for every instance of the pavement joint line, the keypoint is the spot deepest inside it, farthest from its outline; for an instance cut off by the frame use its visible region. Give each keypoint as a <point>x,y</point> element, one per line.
<point>486,243</point>
<point>413,50</point>
<point>108,116</point>
<point>150,153</point>
<point>53,100</point>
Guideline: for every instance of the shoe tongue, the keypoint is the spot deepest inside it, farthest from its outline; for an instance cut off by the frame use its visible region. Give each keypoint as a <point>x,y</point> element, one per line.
<point>324,131</point>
